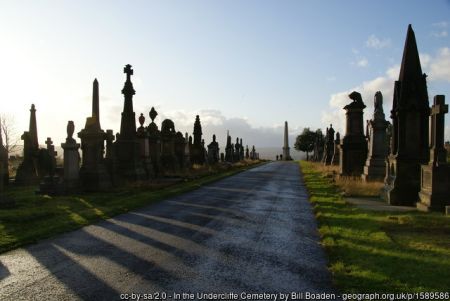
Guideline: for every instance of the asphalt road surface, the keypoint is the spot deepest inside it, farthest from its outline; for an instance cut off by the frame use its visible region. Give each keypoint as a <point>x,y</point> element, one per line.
<point>253,232</point>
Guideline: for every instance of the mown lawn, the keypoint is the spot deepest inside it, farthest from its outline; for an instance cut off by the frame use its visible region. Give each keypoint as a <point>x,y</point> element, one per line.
<point>40,216</point>
<point>373,251</point>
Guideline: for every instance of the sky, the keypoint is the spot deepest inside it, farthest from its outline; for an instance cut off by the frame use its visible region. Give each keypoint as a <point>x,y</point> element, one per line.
<point>243,66</point>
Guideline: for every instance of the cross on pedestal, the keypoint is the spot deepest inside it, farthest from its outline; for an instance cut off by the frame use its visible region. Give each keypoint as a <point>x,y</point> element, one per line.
<point>49,142</point>
<point>128,71</point>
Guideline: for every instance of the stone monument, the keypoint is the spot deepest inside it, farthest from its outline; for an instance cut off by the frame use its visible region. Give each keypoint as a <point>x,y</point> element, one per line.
<point>197,154</point>
<point>213,151</point>
<point>154,141</point>
<point>410,111</point>
<point>4,159</point>
<point>435,176</point>
<point>329,146</point>
<point>27,172</point>
<point>93,172</point>
<point>336,151</point>
<point>353,151</point>
<point>129,164</point>
<point>286,152</point>
<point>375,168</point>
<point>71,160</point>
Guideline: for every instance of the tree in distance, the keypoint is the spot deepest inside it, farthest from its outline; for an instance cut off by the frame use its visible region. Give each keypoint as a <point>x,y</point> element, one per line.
<point>305,141</point>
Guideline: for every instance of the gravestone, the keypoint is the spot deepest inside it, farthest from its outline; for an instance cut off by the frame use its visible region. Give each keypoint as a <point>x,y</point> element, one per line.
<point>222,157</point>
<point>353,151</point>
<point>5,201</point>
<point>50,183</point>
<point>435,176</point>
<point>286,152</point>
<point>169,160</point>
<point>180,146</point>
<point>253,154</point>
<point>213,151</point>
<point>241,151</point>
<point>187,152</point>
<point>247,152</point>
<point>27,172</point>
<point>154,142</point>
<point>410,111</point>
<point>329,146</point>
<point>94,175</point>
<point>71,160</point>
<point>375,167</point>
<point>144,148</point>
<point>4,159</point>
<point>319,143</point>
<point>198,153</point>
<point>129,165</point>
<point>336,151</point>
<point>228,149</point>
<point>237,151</point>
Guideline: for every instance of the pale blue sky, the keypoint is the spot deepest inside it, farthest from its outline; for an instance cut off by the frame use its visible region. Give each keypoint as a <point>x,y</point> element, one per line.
<point>244,65</point>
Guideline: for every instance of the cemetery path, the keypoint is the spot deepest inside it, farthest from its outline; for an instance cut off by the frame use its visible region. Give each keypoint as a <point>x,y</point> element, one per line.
<point>254,232</point>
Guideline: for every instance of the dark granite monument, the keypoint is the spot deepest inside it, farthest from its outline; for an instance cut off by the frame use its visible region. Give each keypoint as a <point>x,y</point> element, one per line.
<point>329,146</point>
<point>94,175</point>
<point>197,153</point>
<point>27,172</point>
<point>375,168</point>
<point>410,111</point>
<point>213,151</point>
<point>353,151</point>
<point>229,149</point>
<point>129,164</point>
<point>154,142</point>
<point>144,148</point>
<point>71,160</point>
<point>169,161</point>
<point>435,176</point>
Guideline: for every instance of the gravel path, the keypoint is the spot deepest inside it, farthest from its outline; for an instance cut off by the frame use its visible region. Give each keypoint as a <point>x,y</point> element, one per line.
<point>251,233</point>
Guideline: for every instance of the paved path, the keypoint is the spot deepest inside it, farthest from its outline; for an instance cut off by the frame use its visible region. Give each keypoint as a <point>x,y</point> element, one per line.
<point>254,232</point>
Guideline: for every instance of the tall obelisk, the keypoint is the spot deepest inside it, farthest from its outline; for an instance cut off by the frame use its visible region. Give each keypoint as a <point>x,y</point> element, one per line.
<point>286,154</point>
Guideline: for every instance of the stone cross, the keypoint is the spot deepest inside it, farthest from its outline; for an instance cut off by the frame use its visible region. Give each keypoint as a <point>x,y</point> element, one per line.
<point>128,71</point>
<point>437,150</point>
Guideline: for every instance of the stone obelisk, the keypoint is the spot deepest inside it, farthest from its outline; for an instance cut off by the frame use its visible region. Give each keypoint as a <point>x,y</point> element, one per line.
<point>286,154</point>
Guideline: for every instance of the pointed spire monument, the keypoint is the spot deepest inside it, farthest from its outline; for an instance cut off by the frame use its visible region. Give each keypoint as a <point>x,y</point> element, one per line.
<point>286,153</point>
<point>409,142</point>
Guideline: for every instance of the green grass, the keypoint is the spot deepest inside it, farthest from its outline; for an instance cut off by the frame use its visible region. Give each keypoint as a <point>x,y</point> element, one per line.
<point>40,216</point>
<point>379,251</point>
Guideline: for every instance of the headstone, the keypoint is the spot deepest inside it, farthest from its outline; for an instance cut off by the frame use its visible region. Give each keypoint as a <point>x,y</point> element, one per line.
<point>247,152</point>
<point>241,152</point>
<point>276,157</point>
<point>222,157</point>
<point>94,175</point>
<point>286,152</point>
<point>144,148</point>
<point>197,154</point>
<point>4,159</point>
<point>213,151</point>
<point>253,154</point>
<point>187,150</point>
<point>154,141</point>
<point>435,176</point>
<point>27,172</point>
<point>228,149</point>
<point>237,151</point>
<point>319,143</point>
<point>337,142</point>
<point>169,160</point>
<point>5,201</point>
<point>353,151</point>
<point>129,165</point>
<point>50,183</point>
<point>71,160</point>
<point>375,167</point>
<point>329,146</point>
<point>180,146</point>
<point>410,111</point>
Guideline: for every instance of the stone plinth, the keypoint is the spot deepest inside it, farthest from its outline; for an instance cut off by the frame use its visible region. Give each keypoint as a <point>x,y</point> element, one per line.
<point>353,148</point>
<point>375,167</point>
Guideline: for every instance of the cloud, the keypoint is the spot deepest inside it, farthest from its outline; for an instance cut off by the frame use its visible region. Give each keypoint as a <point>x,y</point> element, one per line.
<point>363,62</point>
<point>437,67</point>
<point>439,34</point>
<point>376,43</point>
<point>442,24</point>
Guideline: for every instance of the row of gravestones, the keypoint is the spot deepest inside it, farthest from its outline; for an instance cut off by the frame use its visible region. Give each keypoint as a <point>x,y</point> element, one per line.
<point>413,164</point>
<point>133,154</point>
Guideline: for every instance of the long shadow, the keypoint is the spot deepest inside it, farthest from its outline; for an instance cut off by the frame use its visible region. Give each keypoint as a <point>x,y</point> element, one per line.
<point>4,272</point>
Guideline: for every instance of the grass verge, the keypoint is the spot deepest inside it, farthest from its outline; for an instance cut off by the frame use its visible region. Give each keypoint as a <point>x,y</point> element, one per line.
<point>40,216</point>
<point>373,251</point>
